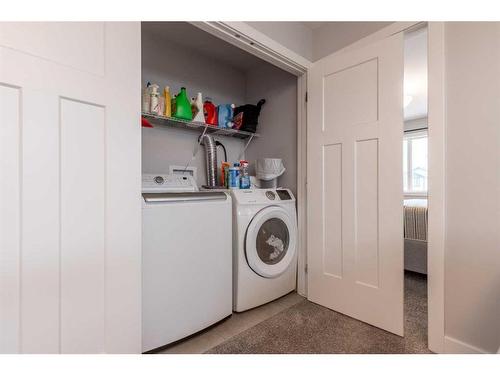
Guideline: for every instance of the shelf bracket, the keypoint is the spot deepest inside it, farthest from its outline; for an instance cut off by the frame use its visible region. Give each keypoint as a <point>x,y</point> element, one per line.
<point>240,156</point>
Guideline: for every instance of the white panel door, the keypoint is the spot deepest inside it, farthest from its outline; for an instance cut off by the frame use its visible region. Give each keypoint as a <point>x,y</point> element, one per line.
<point>355,199</point>
<point>10,133</point>
<point>70,218</point>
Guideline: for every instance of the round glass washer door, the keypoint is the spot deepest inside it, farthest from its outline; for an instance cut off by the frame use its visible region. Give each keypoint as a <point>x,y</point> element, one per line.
<point>270,243</point>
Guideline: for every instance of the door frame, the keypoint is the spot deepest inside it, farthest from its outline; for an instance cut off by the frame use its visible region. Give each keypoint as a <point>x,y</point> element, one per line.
<point>249,39</point>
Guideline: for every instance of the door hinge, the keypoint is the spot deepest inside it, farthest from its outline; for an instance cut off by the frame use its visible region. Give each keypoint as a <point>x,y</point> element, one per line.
<point>306,97</point>
<point>305,268</point>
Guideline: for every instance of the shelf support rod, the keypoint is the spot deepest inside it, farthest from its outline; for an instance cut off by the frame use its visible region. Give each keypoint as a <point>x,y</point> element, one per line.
<point>196,148</point>
<point>240,156</point>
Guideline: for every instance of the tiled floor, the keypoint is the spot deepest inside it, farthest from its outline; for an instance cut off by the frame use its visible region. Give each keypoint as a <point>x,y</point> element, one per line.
<point>232,326</point>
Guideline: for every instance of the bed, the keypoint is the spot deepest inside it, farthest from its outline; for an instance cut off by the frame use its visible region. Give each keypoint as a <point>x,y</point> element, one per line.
<point>415,235</point>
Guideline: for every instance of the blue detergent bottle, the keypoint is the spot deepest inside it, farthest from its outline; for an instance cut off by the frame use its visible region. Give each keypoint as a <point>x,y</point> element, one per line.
<point>225,115</point>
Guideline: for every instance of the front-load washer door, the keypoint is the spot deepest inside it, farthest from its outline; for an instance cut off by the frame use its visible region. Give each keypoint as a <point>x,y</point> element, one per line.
<point>270,243</point>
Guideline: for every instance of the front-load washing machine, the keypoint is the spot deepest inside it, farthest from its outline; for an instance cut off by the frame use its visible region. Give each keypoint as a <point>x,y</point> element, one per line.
<point>264,246</point>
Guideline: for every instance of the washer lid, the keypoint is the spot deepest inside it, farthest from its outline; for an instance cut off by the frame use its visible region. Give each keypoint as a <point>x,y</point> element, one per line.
<point>270,243</point>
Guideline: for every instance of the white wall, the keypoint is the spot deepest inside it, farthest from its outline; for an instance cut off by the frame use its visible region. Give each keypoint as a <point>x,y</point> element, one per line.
<point>336,35</point>
<point>166,63</point>
<point>472,260</point>
<point>278,119</point>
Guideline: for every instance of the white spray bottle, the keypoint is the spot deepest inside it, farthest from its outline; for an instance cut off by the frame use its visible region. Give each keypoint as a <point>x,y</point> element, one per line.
<point>200,117</point>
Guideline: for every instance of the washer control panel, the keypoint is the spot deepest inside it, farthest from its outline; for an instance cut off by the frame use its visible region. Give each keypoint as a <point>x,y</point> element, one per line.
<point>262,196</point>
<point>270,195</point>
<point>284,194</point>
<point>167,183</point>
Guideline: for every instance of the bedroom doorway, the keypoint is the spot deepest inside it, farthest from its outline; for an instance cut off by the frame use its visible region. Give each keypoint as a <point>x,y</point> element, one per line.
<point>415,183</point>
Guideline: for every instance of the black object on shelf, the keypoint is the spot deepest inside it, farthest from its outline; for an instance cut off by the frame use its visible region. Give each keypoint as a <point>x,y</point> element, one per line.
<point>251,114</point>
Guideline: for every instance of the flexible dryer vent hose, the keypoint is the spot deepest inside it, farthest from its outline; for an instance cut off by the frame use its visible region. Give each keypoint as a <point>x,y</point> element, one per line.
<point>211,159</point>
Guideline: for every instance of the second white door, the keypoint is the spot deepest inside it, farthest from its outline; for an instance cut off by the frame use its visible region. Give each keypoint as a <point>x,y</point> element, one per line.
<point>355,223</point>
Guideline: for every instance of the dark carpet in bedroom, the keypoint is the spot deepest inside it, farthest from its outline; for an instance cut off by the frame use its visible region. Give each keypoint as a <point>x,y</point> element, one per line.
<point>310,328</point>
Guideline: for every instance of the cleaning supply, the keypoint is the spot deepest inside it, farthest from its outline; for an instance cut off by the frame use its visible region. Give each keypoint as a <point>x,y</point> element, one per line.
<point>193,106</point>
<point>244,177</point>
<point>199,116</point>
<point>173,105</point>
<point>168,102</point>
<point>225,115</point>
<point>225,173</point>
<point>146,98</point>
<point>154,101</point>
<point>210,112</point>
<point>234,176</point>
<point>183,106</point>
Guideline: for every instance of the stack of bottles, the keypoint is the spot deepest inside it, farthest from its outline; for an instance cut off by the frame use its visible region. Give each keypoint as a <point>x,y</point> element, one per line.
<point>179,106</point>
<point>235,177</point>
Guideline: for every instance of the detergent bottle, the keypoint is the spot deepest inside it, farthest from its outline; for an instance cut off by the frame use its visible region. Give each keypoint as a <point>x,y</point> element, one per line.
<point>210,112</point>
<point>225,115</point>
<point>198,103</point>
<point>146,98</point>
<point>168,102</point>
<point>183,106</point>
<point>154,101</point>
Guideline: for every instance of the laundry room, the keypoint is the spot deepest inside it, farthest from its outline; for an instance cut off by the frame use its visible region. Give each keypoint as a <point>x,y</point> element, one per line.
<point>219,165</point>
<point>178,54</point>
<point>174,185</point>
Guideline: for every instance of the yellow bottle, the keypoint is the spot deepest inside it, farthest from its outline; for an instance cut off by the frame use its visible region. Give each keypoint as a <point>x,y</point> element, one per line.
<point>168,102</point>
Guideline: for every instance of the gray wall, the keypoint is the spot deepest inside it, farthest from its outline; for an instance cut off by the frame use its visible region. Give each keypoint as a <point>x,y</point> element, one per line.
<point>166,63</point>
<point>278,120</point>
<point>336,35</point>
<point>472,275</point>
<point>292,35</point>
<point>313,44</point>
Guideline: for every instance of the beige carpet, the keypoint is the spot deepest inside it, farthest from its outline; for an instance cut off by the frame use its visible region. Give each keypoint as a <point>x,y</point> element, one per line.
<point>310,328</point>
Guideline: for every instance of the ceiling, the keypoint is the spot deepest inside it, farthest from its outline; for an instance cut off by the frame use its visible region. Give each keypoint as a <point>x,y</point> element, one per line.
<point>188,37</point>
<point>314,25</point>
<point>415,74</point>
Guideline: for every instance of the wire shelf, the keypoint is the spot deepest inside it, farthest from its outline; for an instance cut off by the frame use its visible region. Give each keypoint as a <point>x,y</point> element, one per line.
<point>171,122</point>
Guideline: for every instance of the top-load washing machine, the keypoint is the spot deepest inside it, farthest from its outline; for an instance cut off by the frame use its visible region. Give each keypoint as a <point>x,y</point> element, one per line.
<point>186,259</point>
<point>264,246</point>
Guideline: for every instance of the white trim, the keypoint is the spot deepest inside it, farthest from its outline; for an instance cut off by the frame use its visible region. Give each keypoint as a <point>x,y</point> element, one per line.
<point>302,184</point>
<point>242,35</point>
<point>454,346</point>
<point>436,186</point>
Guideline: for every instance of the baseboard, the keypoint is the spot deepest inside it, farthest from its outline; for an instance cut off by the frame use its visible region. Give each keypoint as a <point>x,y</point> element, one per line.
<point>454,346</point>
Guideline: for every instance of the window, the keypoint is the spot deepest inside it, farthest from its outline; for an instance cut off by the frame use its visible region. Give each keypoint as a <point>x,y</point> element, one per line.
<point>415,162</point>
